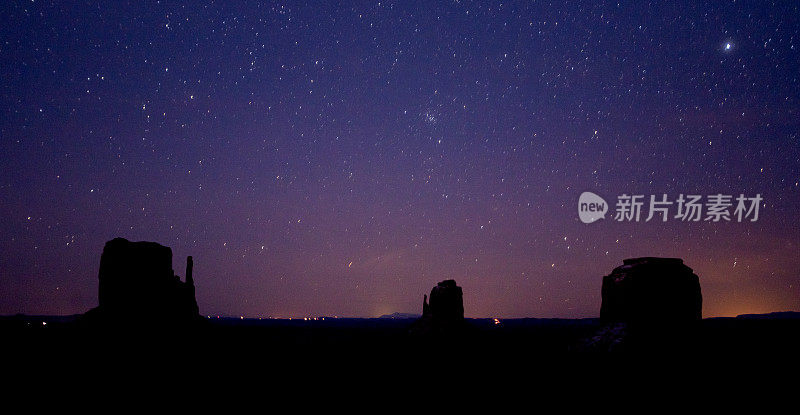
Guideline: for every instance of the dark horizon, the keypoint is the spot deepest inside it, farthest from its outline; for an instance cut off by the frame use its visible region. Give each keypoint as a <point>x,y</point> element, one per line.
<point>330,160</point>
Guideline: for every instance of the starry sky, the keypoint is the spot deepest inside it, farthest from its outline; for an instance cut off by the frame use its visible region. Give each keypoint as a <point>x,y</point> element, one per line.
<point>326,159</point>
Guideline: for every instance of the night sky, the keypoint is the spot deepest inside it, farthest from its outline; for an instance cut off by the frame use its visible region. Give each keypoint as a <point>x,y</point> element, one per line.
<point>318,159</point>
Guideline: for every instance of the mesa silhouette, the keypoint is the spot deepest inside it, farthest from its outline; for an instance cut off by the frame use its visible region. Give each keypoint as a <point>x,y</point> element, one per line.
<point>137,286</point>
<point>648,304</point>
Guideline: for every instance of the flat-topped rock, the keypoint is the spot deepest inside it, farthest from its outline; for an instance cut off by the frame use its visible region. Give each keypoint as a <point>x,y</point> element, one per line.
<point>137,283</point>
<point>445,312</point>
<point>447,302</point>
<point>651,289</point>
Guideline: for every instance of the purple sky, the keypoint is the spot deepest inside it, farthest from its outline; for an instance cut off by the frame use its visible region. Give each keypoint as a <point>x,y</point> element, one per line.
<point>326,160</point>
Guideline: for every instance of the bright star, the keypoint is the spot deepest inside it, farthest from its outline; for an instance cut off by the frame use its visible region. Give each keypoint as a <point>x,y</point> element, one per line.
<point>727,46</point>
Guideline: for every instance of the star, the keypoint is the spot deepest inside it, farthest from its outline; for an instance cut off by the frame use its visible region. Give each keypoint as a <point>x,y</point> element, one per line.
<point>728,46</point>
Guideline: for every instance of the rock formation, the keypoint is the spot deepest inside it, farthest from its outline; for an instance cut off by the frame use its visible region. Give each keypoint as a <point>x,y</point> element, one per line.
<point>651,290</point>
<point>138,285</point>
<point>648,304</point>
<point>447,303</point>
<point>444,313</point>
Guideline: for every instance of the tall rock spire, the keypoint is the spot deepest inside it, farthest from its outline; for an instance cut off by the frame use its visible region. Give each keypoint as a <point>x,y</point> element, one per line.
<point>189,265</point>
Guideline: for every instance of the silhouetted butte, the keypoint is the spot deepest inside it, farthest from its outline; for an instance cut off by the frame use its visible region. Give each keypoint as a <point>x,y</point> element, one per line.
<point>445,313</point>
<point>138,285</point>
<point>648,303</point>
<point>651,289</point>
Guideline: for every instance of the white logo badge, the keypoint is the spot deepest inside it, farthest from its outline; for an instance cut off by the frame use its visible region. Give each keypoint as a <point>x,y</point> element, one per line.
<point>591,207</point>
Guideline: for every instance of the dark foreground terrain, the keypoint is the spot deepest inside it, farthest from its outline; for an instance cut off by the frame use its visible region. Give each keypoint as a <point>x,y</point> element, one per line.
<point>774,333</point>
